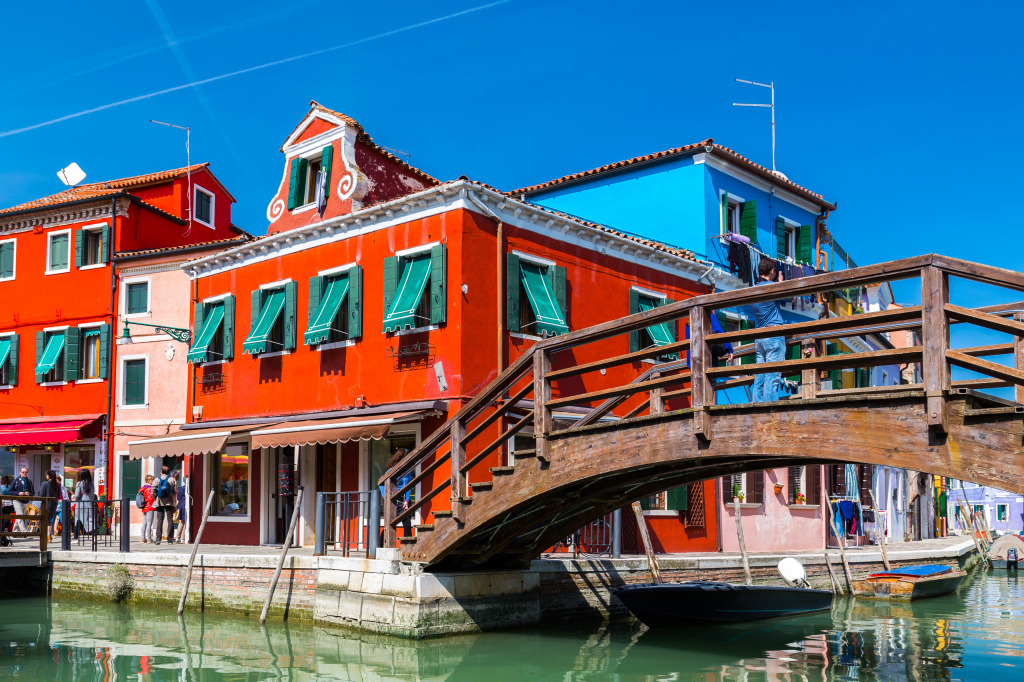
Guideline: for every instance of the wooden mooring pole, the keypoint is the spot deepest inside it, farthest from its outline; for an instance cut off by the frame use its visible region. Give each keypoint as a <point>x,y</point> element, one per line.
<point>881,531</point>
<point>638,511</point>
<point>831,574</point>
<point>192,559</point>
<point>284,553</point>
<point>743,545</point>
<point>842,546</point>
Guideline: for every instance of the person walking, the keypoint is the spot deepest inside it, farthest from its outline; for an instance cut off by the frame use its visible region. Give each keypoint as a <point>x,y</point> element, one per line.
<point>22,487</point>
<point>166,494</point>
<point>182,509</point>
<point>50,489</point>
<point>772,349</point>
<point>85,504</point>
<point>147,510</point>
<point>6,508</point>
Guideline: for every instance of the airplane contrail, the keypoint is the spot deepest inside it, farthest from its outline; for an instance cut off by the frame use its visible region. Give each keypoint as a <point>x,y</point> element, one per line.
<point>250,69</point>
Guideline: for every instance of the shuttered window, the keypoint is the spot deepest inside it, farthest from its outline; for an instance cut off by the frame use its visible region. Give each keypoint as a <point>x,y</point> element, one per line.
<point>780,238</point>
<point>91,246</point>
<point>805,244</point>
<point>750,485</point>
<point>7,249</point>
<point>535,297</point>
<point>655,335</point>
<point>414,289</point>
<point>57,253</point>
<point>137,295</point>
<point>272,320</point>
<point>748,220</point>
<point>204,207</point>
<point>9,360</point>
<point>134,389</point>
<point>49,356</point>
<point>214,336</point>
<point>334,307</point>
<point>755,487</point>
<point>90,352</point>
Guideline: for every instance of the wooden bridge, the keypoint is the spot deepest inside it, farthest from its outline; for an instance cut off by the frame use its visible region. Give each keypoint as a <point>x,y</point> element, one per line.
<point>648,431</point>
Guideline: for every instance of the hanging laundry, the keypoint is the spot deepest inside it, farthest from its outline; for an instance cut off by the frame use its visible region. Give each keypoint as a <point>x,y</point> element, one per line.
<point>808,271</point>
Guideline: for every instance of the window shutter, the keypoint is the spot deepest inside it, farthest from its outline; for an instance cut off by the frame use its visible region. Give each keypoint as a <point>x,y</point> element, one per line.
<point>780,238</point>
<point>79,247</point>
<point>72,343</point>
<point>812,485</point>
<point>805,244</point>
<point>12,361</point>
<point>254,308</point>
<point>7,259</point>
<point>755,487</point>
<point>793,353</point>
<point>676,499</point>
<point>390,281</point>
<point>355,302</point>
<point>748,220</point>
<point>227,328</point>
<point>291,294</point>
<point>40,343</point>
<point>438,276</point>
<point>558,275</point>
<point>315,284</point>
<point>794,482</point>
<point>104,368</point>
<point>645,502</point>
<point>293,184</point>
<point>634,308</point>
<point>513,293</point>
<point>199,308</point>
<point>105,244</point>
<point>725,212</point>
<point>671,325</point>
<point>747,359</point>
<point>325,165</point>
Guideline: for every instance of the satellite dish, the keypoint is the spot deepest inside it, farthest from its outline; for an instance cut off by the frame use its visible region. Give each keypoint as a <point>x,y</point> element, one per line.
<point>792,571</point>
<point>71,175</point>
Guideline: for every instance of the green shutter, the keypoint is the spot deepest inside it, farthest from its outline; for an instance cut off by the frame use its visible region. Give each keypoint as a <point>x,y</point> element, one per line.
<point>748,220</point>
<point>134,382</point>
<point>805,244</point>
<point>105,244</point>
<point>752,358</point>
<point>390,281</point>
<point>227,328</point>
<point>558,276</point>
<point>780,238</point>
<point>355,302</point>
<point>672,326</point>
<point>199,307</point>
<point>513,293</point>
<point>793,353</point>
<point>79,248</point>
<point>291,295</point>
<point>315,284</point>
<point>438,278</point>
<point>645,503</point>
<point>131,476</point>
<point>12,360</point>
<point>104,368</point>
<point>325,165</point>
<point>255,299</point>
<point>40,344</point>
<point>725,212</point>
<point>634,308</point>
<point>72,353</point>
<point>293,184</point>
<point>7,259</point>
<point>677,499</point>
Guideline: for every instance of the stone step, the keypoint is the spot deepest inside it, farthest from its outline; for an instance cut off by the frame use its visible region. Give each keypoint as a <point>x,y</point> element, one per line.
<point>482,485</point>
<point>502,471</point>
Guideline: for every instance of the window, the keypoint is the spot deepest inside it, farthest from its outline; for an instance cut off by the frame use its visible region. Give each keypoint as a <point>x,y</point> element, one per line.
<point>805,485</point>
<point>57,252</point>
<point>414,288</point>
<point>9,360</point>
<point>1002,512</point>
<point>133,390</point>
<point>749,487</point>
<point>302,177</point>
<point>7,249</point>
<point>78,458</point>
<point>230,480</point>
<point>91,246</point>
<point>535,296</point>
<point>656,335</point>
<point>214,337</point>
<point>50,354</point>
<point>203,211</point>
<point>272,319</point>
<point>334,306</point>
<point>312,168</point>
<point>790,242</point>
<point>90,354</point>
<point>739,216</point>
<point>732,217</point>
<point>675,499</point>
<point>382,450</point>
<point>136,298</point>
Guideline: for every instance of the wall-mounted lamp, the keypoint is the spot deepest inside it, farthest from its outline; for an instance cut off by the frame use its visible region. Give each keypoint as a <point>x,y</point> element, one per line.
<point>176,333</point>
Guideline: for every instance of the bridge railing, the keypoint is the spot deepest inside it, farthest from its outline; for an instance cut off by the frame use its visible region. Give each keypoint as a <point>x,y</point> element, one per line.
<point>586,371</point>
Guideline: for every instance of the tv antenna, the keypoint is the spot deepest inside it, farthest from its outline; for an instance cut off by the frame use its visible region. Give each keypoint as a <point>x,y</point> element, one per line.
<point>770,86</point>
<point>188,165</point>
<point>71,174</point>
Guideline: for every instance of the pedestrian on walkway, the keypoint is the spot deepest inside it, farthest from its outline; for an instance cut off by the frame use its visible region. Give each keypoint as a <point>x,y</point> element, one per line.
<point>772,349</point>
<point>147,511</point>
<point>6,508</point>
<point>85,504</point>
<point>182,509</point>
<point>50,489</point>
<point>166,494</point>
<point>22,487</point>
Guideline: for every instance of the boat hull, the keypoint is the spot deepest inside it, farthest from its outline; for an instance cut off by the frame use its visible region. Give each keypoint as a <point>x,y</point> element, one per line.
<point>905,589</point>
<point>671,604</point>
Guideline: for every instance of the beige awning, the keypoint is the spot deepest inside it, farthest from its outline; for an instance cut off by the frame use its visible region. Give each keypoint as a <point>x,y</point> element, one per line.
<point>180,442</point>
<point>330,430</point>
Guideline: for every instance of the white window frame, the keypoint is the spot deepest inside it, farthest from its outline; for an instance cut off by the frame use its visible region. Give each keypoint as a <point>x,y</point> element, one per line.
<point>94,228</point>
<point>731,200</point>
<point>791,228</point>
<point>281,284</point>
<point>125,315</point>
<point>49,237</point>
<point>15,272</point>
<point>4,387</point>
<point>214,299</point>
<point>208,473</point>
<point>196,189</point>
<point>46,330</point>
<point>1006,512</point>
<point>121,387</point>
<point>407,253</point>
<point>316,154</point>
<point>95,380</point>
<point>801,488</point>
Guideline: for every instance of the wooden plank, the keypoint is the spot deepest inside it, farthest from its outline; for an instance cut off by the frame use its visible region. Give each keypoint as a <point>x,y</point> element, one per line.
<point>1018,359</point>
<point>625,390</point>
<point>743,545</point>
<point>984,384</point>
<point>499,411</point>
<point>993,369</point>
<point>848,325</point>
<point>390,531</point>
<point>541,402</point>
<point>642,527</point>
<point>986,351</point>
<point>831,574</point>
<point>810,381</point>
<point>986,320</point>
<point>498,442</point>
<point>652,352</point>
<point>843,361</point>
<point>701,394</point>
<point>1000,277</point>
<point>872,390</point>
<point>457,457</point>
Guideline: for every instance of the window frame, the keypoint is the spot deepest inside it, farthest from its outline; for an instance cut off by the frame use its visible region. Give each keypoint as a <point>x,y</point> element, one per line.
<point>82,379</point>
<point>125,286</point>
<point>196,189</point>
<point>326,275</point>
<point>732,216</point>
<point>309,184</point>
<point>122,384</point>
<point>5,385</point>
<point>526,314</point>
<point>745,502</point>
<point>266,289</point>
<point>14,268</point>
<point>97,231</point>
<point>59,362</point>
<point>213,467</point>
<point>49,252</point>
<point>1002,512</point>
<point>802,488</point>
<point>217,342</point>
<point>424,302</point>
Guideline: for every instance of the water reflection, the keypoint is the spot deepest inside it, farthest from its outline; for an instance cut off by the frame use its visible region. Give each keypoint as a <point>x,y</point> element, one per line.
<point>978,634</point>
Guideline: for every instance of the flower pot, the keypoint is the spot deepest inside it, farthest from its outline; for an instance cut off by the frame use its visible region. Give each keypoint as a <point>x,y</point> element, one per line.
<point>778,488</point>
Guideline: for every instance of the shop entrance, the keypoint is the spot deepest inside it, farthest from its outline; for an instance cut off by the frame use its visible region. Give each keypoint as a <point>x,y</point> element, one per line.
<point>282,483</point>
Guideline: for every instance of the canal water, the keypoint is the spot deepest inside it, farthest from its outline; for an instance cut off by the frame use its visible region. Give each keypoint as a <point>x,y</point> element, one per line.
<point>977,634</point>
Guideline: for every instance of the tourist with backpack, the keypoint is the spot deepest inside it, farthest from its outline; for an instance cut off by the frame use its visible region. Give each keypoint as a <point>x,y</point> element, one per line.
<point>166,499</point>
<point>145,500</point>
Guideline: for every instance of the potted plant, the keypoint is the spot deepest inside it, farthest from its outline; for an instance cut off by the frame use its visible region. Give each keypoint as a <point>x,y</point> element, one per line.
<point>778,488</point>
<point>801,499</point>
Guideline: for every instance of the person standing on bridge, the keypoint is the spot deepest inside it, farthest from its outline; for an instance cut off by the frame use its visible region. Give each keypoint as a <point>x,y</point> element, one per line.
<point>771,349</point>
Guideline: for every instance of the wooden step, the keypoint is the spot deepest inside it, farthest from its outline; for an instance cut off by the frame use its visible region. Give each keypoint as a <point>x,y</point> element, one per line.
<point>501,471</point>
<point>407,541</point>
<point>443,514</point>
<point>482,485</point>
<point>465,500</point>
<point>423,526</point>
<point>523,454</point>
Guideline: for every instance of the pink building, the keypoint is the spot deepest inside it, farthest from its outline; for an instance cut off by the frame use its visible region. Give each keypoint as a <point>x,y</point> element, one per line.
<point>780,509</point>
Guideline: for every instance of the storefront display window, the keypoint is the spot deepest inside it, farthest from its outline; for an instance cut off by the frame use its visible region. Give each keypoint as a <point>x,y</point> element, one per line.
<point>381,451</point>
<point>230,478</point>
<point>76,459</point>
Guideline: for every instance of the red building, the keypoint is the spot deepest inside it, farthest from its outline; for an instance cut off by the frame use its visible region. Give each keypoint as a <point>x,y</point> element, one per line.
<point>61,296</point>
<point>360,323</point>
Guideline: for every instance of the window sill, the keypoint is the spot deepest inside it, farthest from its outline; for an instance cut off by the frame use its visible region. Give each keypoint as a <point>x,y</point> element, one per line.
<point>228,518</point>
<point>804,506</point>
<point>745,505</point>
<point>335,344</point>
<point>95,380</point>
<point>416,330</point>
<point>93,266</point>
<point>57,272</point>
<point>7,279</point>
<point>133,407</point>
<point>53,383</point>
<point>662,512</point>
<point>6,387</point>
<point>527,337</point>
<point>135,316</point>
<point>211,363</point>
<point>305,207</point>
<point>274,354</point>
<point>204,223</point>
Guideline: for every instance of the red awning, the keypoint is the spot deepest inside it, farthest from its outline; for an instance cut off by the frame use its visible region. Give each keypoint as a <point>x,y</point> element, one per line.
<point>44,432</point>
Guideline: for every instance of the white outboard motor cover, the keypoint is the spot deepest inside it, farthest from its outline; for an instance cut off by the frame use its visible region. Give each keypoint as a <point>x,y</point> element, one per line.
<point>792,571</point>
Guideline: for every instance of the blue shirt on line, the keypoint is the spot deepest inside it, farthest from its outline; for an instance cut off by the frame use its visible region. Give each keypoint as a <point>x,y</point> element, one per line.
<point>768,313</point>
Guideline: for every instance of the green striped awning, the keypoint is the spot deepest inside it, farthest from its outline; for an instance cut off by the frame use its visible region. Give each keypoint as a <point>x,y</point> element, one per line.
<point>5,349</point>
<point>661,335</point>
<point>271,309</point>
<point>330,304</point>
<point>214,316</point>
<point>402,312</point>
<point>541,295</point>
<point>54,345</point>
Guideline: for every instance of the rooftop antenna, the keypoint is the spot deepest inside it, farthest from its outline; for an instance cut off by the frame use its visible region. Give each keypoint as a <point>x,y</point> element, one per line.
<point>188,166</point>
<point>71,174</point>
<point>770,86</point>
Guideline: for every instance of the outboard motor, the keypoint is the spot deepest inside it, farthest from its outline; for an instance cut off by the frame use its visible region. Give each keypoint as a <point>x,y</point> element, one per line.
<point>792,571</point>
<point>1011,558</point>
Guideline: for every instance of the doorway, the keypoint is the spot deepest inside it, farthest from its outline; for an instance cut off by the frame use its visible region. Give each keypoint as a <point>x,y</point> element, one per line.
<point>281,484</point>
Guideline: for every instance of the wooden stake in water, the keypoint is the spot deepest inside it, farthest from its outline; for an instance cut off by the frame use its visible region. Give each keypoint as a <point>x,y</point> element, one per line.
<point>284,553</point>
<point>881,531</point>
<point>831,574</point>
<point>743,545</point>
<point>842,547</point>
<point>192,559</point>
<point>638,511</point>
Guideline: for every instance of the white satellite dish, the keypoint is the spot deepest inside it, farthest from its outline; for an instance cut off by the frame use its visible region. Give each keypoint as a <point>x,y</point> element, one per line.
<point>71,175</point>
<point>793,572</point>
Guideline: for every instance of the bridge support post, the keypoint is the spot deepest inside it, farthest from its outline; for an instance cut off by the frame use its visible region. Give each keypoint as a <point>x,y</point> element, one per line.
<point>390,532</point>
<point>541,396</point>
<point>810,381</point>
<point>617,533</point>
<point>935,341</point>
<point>701,394</point>
<point>1018,360</point>
<point>458,460</point>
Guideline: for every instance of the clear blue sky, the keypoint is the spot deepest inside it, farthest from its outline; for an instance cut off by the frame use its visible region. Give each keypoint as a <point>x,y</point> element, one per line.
<point>906,114</point>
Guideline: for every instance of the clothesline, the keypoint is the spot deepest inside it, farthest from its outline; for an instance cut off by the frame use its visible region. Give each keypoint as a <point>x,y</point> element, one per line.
<point>739,239</point>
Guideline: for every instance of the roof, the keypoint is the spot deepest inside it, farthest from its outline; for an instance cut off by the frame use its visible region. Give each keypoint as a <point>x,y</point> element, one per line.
<point>708,146</point>
<point>186,248</point>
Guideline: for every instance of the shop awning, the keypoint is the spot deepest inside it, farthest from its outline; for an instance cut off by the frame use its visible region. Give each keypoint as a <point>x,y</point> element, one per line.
<point>214,316</point>
<point>180,443</point>
<point>43,432</point>
<point>5,349</point>
<point>661,335</point>
<point>330,430</point>
<point>54,345</point>
<point>541,295</point>
<point>330,304</point>
<point>256,342</point>
<point>402,311</point>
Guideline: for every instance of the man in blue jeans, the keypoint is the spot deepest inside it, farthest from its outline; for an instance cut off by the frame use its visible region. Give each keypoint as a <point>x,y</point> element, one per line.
<point>771,349</point>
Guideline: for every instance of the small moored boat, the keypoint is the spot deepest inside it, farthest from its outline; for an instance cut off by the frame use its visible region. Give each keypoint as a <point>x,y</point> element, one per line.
<point>909,582</point>
<point>1007,552</point>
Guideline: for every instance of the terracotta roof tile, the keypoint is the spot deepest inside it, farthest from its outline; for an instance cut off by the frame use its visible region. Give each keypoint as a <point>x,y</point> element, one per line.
<point>219,243</point>
<point>150,178</point>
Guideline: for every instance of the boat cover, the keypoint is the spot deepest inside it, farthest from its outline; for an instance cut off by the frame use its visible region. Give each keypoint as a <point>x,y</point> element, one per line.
<point>922,571</point>
<point>1002,544</point>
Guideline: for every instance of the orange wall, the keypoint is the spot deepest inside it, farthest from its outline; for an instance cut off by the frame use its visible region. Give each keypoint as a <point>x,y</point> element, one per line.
<point>669,535</point>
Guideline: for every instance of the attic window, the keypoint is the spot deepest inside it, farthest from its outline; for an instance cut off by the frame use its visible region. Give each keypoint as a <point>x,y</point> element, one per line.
<point>203,210</point>
<point>302,177</point>
<point>312,169</point>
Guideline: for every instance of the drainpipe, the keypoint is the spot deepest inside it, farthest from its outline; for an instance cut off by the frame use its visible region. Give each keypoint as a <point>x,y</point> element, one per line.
<point>113,345</point>
<point>500,270</point>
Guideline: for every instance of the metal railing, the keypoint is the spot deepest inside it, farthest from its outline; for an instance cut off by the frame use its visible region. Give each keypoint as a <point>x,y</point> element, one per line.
<point>96,523</point>
<point>602,537</point>
<point>348,521</point>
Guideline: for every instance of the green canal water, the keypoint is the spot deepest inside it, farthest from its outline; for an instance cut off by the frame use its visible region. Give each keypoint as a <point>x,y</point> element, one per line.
<point>977,634</point>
